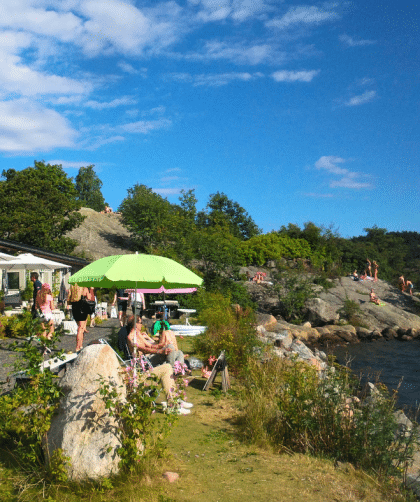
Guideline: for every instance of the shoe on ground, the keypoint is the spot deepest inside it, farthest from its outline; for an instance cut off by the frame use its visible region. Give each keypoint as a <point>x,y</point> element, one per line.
<point>176,410</point>
<point>186,405</point>
<point>181,411</point>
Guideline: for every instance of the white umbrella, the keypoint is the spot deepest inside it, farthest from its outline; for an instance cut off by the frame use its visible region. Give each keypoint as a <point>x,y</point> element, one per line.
<point>28,260</point>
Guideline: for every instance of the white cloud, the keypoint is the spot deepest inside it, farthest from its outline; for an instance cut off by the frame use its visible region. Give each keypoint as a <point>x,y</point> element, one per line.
<point>366,97</point>
<point>215,80</point>
<point>98,142</point>
<point>66,164</point>
<point>295,76</point>
<point>30,127</point>
<point>128,68</point>
<point>351,42</point>
<point>329,163</point>
<point>20,79</point>
<point>237,10</point>
<point>124,101</point>
<point>239,53</point>
<point>145,126</point>
<point>350,179</point>
<point>304,15</point>
<point>350,182</point>
<point>167,191</point>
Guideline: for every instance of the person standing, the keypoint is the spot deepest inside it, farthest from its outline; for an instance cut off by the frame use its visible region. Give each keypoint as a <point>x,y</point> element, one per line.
<point>368,268</point>
<point>137,302</point>
<point>121,297</point>
<point>76,296</point>
<point>37,287</point>
<point>92,297</point>
<point>44,301</point>
<point>401,283</point>
<point>375,271</point>
<point>410,286</point>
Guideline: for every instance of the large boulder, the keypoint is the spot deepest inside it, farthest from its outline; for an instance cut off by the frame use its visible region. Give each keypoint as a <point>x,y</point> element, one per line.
<point>83,428</point>
<point>319,312</point>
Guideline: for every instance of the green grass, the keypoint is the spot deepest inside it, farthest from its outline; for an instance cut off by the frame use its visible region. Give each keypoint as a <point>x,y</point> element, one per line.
<point>214,464</point>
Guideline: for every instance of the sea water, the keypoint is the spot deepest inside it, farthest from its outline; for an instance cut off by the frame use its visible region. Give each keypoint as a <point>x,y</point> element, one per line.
<point>397,363</point>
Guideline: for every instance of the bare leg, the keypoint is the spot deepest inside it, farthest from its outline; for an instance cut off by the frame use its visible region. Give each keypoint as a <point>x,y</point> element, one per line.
<point>80,332</point>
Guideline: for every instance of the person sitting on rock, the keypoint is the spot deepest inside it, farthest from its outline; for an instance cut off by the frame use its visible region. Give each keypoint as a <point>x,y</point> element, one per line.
<point>355,276</point>
<point>374,298</point>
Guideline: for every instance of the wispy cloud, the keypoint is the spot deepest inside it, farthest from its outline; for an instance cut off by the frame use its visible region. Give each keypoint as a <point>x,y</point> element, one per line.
<point>351,42</point>
<point>349,179</point>
<point>98,105</point>
<point>214,80</point>
<point>167,191</point>
<point>128,68</point>
<point>295,76</point>
<point>145,126</point>
<point>238,53</point>
<point>361,99</point>
<point>66,164</point>
<point>304,15</point>
<point>319,195</point>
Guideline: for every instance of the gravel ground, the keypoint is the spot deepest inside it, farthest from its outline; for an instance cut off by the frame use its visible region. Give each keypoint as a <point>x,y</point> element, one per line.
<point>67,342</point>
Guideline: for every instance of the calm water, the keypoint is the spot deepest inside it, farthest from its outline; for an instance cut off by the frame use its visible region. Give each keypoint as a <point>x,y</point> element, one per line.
<point>394,360</point>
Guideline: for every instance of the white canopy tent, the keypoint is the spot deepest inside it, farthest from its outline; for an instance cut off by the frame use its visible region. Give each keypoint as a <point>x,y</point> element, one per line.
<point>27,261</point>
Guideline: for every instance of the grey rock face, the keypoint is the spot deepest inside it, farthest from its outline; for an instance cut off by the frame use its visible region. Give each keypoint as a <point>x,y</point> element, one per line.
<point>83,428</point>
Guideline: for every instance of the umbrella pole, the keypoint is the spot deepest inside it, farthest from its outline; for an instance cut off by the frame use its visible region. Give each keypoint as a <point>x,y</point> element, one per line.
<point>135,334</point>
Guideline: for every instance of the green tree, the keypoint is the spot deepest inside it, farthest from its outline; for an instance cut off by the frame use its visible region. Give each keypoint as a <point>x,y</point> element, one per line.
<point>148,216</point>
<point>88,186</point>
<point>221,209</point>
<point>40,206</point>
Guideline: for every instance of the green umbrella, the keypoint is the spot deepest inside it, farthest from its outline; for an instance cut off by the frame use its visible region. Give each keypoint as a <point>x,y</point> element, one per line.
<point>136,271</point>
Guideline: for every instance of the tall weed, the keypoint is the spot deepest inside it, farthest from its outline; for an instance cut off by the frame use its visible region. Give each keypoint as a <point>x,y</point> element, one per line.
<point>228,328</point>
<point>288,405</point>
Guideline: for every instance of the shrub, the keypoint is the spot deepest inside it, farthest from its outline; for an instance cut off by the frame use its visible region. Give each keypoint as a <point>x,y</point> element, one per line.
<point>228,329</point>
<point>27,410</point>
<point>294,291</point>
<point>352,313</point>
<point>289,406</point>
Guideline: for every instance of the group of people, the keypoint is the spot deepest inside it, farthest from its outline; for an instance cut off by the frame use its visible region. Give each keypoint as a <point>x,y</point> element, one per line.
<point>368,272</point>
<point>161,350</point>
<point>404,284</point>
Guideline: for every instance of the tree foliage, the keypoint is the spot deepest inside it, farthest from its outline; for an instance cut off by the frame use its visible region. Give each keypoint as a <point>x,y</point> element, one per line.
<point>220,209</point>
<point>41,207</point>
<point>88,186</point>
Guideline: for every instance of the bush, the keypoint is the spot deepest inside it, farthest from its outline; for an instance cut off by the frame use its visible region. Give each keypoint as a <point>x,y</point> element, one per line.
<point>289,406</point>
<point>228,329</point>
<point>27,410</point>
<point>352,313</point>
<point>294,291</point>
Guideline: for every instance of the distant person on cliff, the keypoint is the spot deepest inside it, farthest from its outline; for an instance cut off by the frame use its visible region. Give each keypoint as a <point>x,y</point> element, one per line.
<point>401,283</point>
<point>409,285</point>
<point>375,271</point>
<point>368,268</point>
<point>374,298</point>
<point>355,276</point>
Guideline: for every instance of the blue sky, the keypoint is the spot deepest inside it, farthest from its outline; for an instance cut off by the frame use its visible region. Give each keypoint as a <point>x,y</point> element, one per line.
<point>298,111</point>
